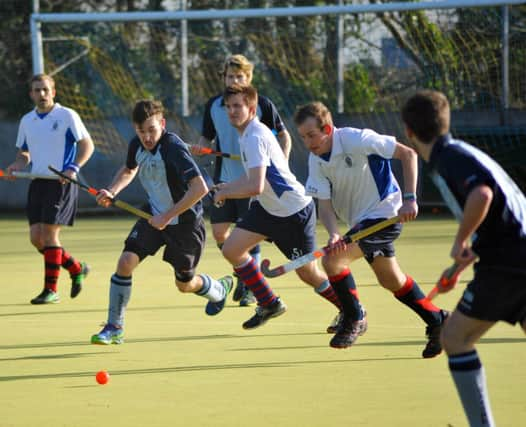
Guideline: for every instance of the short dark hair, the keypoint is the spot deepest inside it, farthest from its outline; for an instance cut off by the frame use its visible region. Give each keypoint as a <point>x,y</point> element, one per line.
<point>427,114</point>
<point>146,108</point>
<point>250,94</point>
<point>318,110</point>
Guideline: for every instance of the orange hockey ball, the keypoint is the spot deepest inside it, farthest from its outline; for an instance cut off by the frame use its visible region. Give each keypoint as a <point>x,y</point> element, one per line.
<point>102,377</point>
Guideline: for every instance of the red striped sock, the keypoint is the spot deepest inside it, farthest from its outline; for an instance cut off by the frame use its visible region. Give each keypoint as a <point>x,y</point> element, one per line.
<point>52,262</point>
<point>345,287</point>
<point>70,263</point>
<point>254,280</point>
<point>327,292</point>
<point>411,295</point>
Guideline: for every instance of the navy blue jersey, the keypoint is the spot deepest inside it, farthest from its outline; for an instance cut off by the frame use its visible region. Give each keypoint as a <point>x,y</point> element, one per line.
<point>216,125</point>
<point>501,237</point>
<point>165,173</point>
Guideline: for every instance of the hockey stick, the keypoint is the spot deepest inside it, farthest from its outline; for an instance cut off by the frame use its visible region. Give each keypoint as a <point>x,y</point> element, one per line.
<point>206,150</point>
<point>449,279</point>
<point>27,175</point>
<point>318,253</point>
<point>93,191</point>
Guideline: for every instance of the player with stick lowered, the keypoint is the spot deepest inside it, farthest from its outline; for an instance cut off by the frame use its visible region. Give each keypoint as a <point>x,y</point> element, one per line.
<point>280,210</point>
<point>350,175</point>
<point>51,135</point>
<point>492,227</point>
<point>217,128</point>
<point>175,187</point>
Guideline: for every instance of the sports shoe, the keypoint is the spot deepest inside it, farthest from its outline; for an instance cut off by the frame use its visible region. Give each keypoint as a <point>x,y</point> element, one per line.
<point>77,280</point>
<point>348,332</point>
<point>333,327</point>
<point>239,290</point>
<point>247,299</point>
<point>212,308</point>
<point>336,322</point>
<point>47,296</point>
<point>263,314</point>
<point>110,334</point>
<point>434,347</point>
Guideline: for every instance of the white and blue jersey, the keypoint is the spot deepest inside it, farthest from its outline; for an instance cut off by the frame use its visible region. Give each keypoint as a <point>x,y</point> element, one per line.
<point>216,125</point>
<point>357,176</point>
<point>51,138</point>
<point>501,238</point>
<point>283,195</point>
<point>165,173</point>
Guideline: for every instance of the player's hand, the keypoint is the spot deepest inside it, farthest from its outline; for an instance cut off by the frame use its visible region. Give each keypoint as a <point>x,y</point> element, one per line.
<point>219,194</point>
<point>335,244</point>
<point>408,211</point>
<point>462,253</point>
<point>219,198</point>
<point>104,198</point>
<point>197,150</point>
<point>10,169</point>
<point>70,173</point>
<point>159,221</point>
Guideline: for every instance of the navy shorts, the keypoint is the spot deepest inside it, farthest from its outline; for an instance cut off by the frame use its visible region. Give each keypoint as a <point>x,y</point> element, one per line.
<point>230,212</point>
<point>494,294</point>
<point>293,235</point>
<point>379,243</point>
<point>50,202</point>
<point>183,243</point>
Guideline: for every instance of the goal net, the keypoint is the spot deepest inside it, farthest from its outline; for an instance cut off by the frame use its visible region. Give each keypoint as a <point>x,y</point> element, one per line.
<point>362,65</point>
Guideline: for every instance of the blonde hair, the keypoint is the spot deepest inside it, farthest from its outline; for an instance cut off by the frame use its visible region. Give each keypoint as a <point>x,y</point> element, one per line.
<point>41,78</point>
<point>239,62</point>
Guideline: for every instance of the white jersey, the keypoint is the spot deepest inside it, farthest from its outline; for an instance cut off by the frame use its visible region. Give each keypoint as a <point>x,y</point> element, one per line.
<point>283,195</point>
<point>357,178</point>
<point>51,139</point>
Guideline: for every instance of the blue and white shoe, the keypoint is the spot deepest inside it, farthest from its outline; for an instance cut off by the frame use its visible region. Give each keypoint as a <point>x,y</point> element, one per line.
<point>213,308</point>
<point>110,334</point>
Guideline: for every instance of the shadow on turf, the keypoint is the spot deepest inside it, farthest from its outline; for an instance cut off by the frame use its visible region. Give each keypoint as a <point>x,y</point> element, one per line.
<point>89,310</point>
<point>256,365</point>
<point>48,356</point>
<point>379,344</point>
<point>242,336</point>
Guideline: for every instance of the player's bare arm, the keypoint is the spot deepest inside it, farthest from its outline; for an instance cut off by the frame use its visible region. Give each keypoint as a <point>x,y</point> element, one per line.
<point>409,159</point>
<point>475,211</point>
<point>22,159</point>
<point>246,186</point>
<point>285,141</point>
<point>122,179</point>
<point>197,189</point>
<point>85,149</point>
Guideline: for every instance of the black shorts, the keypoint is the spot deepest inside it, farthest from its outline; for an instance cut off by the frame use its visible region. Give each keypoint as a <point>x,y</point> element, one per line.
<point>230,212</point>
<point>294,235</point>
<point>50,202</point>
<point>379,243</point>
<point>495,294</point>
<point>183,243</point>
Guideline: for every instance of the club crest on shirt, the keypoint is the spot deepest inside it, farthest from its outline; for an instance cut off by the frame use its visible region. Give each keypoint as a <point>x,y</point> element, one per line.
<point>55,125</point>
<point>348,161</point>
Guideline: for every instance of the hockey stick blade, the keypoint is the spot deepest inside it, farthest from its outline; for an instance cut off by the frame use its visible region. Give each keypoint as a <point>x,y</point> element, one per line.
<point>449,279</point>
<point>318,253</point>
